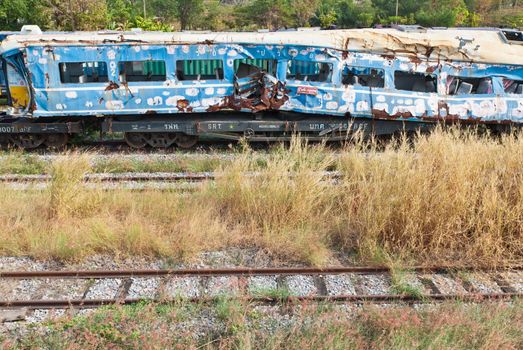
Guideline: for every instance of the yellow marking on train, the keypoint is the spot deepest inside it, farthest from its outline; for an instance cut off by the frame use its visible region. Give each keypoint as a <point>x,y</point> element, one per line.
<point>19,96</point>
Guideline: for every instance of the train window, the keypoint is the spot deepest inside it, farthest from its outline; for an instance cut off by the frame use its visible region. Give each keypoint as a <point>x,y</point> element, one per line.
<point>142,71</point>
<point>199,70</point>
<point>418,82</point>
<point>513,86</point>
<point>248,66</point>
<point>362,76</point>
<point>83,72</point>
<point>309,71</point>
<point>468,86</point>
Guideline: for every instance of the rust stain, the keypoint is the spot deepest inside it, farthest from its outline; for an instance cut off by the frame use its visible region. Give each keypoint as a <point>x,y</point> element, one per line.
<point>381,114</point>
<point>449,118</point>
<point>431,69</point>
<point>388,57</point>
<point>257,98</point>
<point>111,86</point>
<point>183,105</point>
<point>47,80</point>
<point>415,59</point>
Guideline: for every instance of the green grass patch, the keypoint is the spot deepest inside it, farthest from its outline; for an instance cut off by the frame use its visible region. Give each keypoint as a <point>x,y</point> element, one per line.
<point>239,326</point>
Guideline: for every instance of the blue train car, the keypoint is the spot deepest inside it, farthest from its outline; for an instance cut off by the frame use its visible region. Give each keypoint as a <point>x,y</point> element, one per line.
<point>162,89</point>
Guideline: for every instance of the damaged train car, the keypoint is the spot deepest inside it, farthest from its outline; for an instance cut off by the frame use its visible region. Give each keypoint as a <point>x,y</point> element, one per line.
<point>163,89</point>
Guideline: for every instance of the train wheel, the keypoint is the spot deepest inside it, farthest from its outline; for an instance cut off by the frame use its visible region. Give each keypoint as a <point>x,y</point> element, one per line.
<point>56,140</point>
<point>186,141</point>
<point>161,139</point>
<point>28,141</point>
<point>135,139</point>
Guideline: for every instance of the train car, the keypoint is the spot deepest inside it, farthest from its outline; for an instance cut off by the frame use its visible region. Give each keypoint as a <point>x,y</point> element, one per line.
<point>163,89</point>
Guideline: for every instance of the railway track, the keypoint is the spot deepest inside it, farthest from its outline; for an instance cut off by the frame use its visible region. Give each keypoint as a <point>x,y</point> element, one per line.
<point>125,177</point>
<point>131,181</point>
<point>93,288</point>
<point>141,177</point>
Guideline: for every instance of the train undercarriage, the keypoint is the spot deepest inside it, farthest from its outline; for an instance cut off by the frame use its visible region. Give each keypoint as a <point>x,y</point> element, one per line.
<point>184,131</point>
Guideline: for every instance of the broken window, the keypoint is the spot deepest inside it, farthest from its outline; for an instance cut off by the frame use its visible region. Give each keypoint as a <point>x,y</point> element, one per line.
<point>309,71</point>
<point>199,70</point>
<point>468,86</point>
<point>83,72</point>
<point>418,82</point>
<point>513,86</point>
<point>363,76</point>
<point>248,66</point>
<point>142,71</point>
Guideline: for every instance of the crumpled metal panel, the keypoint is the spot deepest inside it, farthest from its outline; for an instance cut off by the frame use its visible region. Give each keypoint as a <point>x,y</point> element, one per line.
<point>262,91</point>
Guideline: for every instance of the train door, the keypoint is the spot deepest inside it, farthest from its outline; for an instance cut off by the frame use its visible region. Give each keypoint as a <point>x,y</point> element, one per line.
<point>360,86</point>
<point>472,98</point>
<point>310,86</point>
<point>202,83</point>
<point>414,95</point>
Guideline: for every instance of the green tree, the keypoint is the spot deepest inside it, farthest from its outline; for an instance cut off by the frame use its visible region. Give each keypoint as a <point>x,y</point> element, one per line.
<point>443,13</point>
<point>11,13</point>
<point>77,14</point>
<point>386,10</point>
<point>15,13</point>
<point>120,13</point>
<point>304,10</point>
<point>350,14</point>
<point>271,14</point>
<point>216,16</point>
<point>188,12</point>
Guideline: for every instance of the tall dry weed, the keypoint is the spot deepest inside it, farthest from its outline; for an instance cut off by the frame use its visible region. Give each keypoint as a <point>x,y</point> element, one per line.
<point>283,204</point>
<point>66,193</point>
<point>451,195</point>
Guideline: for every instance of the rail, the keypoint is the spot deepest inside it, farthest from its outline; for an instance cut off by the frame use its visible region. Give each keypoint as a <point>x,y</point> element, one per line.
<point>318,290</point>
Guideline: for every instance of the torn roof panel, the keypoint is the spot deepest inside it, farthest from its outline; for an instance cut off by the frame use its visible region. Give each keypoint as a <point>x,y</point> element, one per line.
<point>458,44</point>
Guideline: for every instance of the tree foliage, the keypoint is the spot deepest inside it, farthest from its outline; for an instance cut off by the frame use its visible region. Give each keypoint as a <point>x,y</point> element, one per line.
<point>254,14</point>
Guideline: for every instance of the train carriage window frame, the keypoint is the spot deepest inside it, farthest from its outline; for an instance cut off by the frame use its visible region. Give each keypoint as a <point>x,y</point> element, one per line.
<point>513,87</point>
<point>415,82</point>
<point>215,72</point>
<point>463,86</point>
<point>245,67</point>
<point>90,74</point>
<point>142,71</point>
<point>318,75</point>
<point>363,76</point>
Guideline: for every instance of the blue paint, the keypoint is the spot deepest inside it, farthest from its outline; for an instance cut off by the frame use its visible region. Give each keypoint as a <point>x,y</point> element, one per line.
<point>52,98</point>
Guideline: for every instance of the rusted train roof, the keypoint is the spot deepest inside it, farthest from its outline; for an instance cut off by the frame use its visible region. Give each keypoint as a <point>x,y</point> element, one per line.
<point>461,44</point>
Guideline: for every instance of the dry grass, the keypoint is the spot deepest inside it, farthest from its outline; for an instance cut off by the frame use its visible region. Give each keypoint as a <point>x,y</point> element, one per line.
<point>451,196</point>
<point>15,161</point>
<point>239,326</point>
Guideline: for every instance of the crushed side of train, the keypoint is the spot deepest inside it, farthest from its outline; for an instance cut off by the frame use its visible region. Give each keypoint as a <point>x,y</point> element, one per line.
<point>169,88</point>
